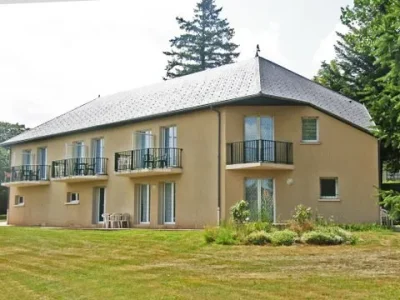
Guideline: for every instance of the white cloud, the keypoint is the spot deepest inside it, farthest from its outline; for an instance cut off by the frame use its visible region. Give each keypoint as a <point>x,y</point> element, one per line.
<point>326,51</point>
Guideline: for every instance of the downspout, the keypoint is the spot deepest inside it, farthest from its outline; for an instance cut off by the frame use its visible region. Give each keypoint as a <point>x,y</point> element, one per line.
<point>219,165</point>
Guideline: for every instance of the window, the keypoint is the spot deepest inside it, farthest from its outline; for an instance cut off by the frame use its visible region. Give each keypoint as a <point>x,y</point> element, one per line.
<point>329,188</point>
<point>26,157</point>
<point>310,131</point>
<point>73,198</point>
<point>169,153</point>
<point>19,200</point>
<point>169,203</point>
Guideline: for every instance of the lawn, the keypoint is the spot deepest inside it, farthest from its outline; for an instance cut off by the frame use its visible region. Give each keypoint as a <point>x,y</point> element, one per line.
<point>141,264</point>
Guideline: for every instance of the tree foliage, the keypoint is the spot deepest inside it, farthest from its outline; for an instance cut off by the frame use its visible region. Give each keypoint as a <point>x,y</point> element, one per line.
<point>204,44</point>
<point>367,67</point>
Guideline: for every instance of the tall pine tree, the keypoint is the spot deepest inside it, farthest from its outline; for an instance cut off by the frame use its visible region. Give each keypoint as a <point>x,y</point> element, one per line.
<point>205,43</point>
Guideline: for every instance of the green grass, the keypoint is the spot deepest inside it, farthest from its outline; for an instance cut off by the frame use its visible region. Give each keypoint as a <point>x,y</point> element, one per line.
<point>141,264</point>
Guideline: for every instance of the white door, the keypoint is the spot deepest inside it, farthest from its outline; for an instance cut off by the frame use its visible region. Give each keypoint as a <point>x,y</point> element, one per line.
<point>259,141</point>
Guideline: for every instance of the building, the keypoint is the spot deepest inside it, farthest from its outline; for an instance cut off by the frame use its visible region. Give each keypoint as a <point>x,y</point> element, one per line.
<point>180,153</point>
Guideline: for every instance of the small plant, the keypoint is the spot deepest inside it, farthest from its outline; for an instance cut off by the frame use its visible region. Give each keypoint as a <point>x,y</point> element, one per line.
<point>301,220</point>
<point>240,212</point>
<point>258,226</point>
<point>363,227</point>
<point>302,214</point>
<point>285,237</point>
<point>258,238</point>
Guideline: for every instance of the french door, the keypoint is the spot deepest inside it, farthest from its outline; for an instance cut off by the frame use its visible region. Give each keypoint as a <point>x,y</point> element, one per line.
<point>169,203</point>
<point>144,157</point>
<point>42,162</point>
<point>259,139</point>
<point>170,143</point>
<point>100,204</point>
<point>144,204</point>
<point>97,155</point>
<point>259,194</point>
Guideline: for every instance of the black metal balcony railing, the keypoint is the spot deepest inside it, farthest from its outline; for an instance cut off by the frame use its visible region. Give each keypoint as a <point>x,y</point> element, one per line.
<point>149,158</point>
<point>27,173</point>
<point>79,167</point>
<point>260,151</point>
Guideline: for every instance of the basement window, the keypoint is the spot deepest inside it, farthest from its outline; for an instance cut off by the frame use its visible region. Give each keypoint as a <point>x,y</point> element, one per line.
<point>19,200</point>
<point>73,198</point>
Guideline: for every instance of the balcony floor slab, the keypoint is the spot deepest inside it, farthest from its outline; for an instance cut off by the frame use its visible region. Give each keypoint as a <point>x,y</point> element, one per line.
<point>25,183</point>
<point>149,172</point>
<point>260,166</point>
<point>81,178</point>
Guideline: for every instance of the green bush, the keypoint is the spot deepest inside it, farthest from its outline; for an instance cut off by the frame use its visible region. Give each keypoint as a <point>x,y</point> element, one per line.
<point>226,236</point>
<point>330,235</point>
<point>258,238</point>
<point>391,202</point>
<point>240,212</point>
<point>285,237</point>
<point>363,227</point>
<point>318,237</point>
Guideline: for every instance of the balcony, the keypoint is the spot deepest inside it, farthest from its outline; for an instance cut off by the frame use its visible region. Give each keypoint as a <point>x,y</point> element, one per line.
<point>79,169</point>
<point>28,175</point>
<point>259,155</point>
<point>149,162</point>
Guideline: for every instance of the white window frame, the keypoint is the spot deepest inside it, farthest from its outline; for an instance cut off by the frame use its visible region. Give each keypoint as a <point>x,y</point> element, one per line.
<point>317,129</point>
<point>70,197</point>
<point>336,189</point>
<point>173,203</point>
<point>148,204</point>
<point>19,202</point>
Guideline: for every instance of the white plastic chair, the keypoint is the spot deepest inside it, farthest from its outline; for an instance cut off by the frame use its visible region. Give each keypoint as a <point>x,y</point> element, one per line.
<point>106,220</point>
<point>125,220</point>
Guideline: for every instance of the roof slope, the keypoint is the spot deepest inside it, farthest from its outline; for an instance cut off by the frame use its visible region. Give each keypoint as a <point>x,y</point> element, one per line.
<point>211,87</point>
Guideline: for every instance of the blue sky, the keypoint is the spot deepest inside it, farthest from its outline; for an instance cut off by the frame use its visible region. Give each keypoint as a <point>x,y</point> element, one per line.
<point>57,56</point>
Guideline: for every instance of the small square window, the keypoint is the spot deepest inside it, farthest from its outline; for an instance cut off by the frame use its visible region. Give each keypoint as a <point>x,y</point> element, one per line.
<point>310,131</point>
<point>19,200</point>
<point>72,197</point>
<point>329,188</point>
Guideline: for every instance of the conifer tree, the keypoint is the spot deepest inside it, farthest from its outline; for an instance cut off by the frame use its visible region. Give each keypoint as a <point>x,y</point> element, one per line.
<point>204,44</point>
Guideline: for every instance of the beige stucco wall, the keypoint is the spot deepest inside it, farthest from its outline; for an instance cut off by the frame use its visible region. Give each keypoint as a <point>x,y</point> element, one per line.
<point>196,187</point>
<point>344,152</point>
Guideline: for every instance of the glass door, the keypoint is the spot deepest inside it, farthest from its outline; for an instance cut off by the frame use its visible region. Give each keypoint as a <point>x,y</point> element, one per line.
<point>100,206</point>
<point>169,203</point>
<point>42,164</point>
<point>259,142</point>
<point>144,156</point>
<point>259,193</point>
<point>98,155</point>
<point>144,204</point>
<point>170,143</point>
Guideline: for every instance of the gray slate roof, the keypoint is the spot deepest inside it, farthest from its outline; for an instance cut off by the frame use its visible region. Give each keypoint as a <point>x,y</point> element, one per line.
<point>253,77</point>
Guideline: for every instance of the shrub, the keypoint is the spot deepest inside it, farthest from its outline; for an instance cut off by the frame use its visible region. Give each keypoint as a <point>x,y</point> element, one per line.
<point>331,235</point>
<point>226,236</point>
<point>285,237</point>
<point>258,238</point>
<point>362,227</point>
<point>240,212</point>
<point>300,228</point>
<point>210,234</point>
<point>319,237</point>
